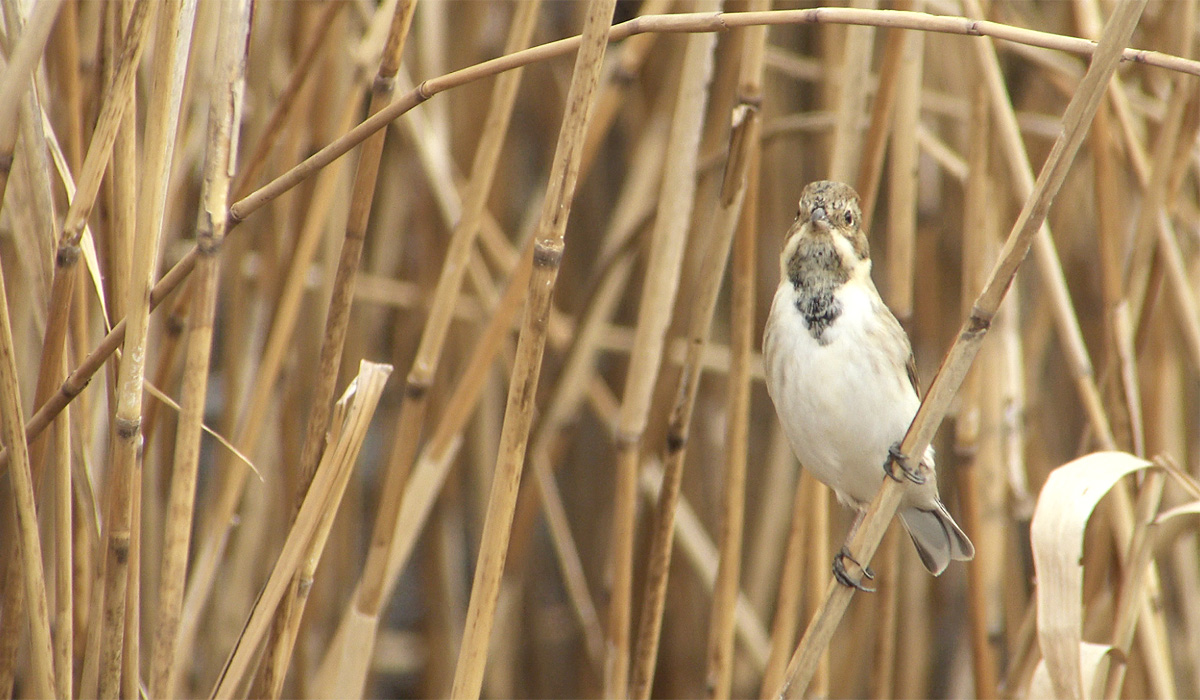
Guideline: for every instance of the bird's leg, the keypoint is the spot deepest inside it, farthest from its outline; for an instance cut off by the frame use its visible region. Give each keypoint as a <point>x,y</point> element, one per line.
<point>896,458</point>
<point>839,561</point>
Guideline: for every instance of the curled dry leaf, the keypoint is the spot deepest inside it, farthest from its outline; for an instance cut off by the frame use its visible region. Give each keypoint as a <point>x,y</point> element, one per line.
<point>1063,509</point>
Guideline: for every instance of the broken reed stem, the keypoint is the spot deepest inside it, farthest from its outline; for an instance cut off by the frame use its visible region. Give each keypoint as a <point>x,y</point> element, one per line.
<point>547,257</point>
<point>223,124</point>
<point>719,675</point>
<point>958,359</point>
<point>255,412</point>
<point>320,505</point>
<point>702,22</point>
<point>342,666</point>
<point>337,322</point>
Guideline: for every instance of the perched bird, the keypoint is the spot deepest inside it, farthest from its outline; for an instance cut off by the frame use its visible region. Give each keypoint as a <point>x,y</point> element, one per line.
<point>840,370</point>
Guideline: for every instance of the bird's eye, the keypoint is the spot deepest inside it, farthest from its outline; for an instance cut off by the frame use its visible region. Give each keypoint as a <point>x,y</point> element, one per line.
<point>849,218</point>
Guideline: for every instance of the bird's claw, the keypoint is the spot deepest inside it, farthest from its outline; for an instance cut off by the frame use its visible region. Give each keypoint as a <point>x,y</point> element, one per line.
<point>839,571</point>
<point>896,458</point>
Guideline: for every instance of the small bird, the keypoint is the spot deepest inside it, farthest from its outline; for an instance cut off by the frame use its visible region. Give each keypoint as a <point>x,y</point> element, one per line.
<point>840,371</point>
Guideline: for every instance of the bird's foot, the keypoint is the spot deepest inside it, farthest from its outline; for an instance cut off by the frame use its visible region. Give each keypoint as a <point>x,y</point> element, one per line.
<point>839,571</point>
<point>896,458</point>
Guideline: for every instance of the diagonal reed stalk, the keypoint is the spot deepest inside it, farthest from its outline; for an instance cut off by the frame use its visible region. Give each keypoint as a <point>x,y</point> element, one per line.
<point>958,359</point>
<point>306,536</point>
<point>547,257</point>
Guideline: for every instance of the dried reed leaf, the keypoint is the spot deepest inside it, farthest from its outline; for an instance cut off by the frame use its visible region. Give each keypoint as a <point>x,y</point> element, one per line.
<point>1092,662</point>
<point>171,403</point>
<point>87,243</point>
<point>1064,507</point>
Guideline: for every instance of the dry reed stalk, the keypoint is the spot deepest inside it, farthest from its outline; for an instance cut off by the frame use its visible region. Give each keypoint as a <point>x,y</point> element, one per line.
<point>791,576</point>
<point>622,75</point>
<point>870,166</point>
<point>133,257</point>
<point>547,257</point>
<point>19,68</point>
<point>338,314</point>
<point>286,627</point>
<point>1045,254</point>
<point>280,339</point>
<point>336,324</point>
<point>902,178</point>
<point>958,359</point>
<point>29,544</point>
<point>701,553</point>
<point>672,221</point>
<point>849,99</point>
<point>284,108</point>
<point>64,599</point>
<point>320,504</point>
<point>704,22</point>
<point>719,674</point>
<point>728,209</point>
<point>1135,578</point>
<point>174,37</point>
<point>1067,323</point>
<point>970,423</point>
<point>370,597</point>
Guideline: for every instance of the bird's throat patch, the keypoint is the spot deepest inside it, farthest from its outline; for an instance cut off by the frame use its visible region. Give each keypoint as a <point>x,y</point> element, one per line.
<point>816,272</point>
<point>820,310</point>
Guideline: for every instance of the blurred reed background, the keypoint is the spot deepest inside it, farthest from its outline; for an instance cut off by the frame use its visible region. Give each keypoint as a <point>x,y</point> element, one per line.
<point>680,171</point>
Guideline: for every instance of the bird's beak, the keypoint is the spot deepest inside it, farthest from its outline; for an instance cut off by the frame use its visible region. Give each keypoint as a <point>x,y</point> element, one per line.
<point>819,218</point>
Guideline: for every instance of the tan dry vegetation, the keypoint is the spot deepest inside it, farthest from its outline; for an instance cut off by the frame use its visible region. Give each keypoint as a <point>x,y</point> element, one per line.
<point>575,485</point>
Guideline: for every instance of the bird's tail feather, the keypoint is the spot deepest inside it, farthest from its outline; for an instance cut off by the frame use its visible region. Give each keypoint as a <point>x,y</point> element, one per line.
<point>937,537</point>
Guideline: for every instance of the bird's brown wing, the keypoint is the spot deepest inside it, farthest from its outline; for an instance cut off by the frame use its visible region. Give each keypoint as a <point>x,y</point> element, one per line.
<point>911,366</point>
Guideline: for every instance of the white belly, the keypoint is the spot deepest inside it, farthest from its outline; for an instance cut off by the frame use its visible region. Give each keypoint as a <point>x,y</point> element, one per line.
<point>844,401</point>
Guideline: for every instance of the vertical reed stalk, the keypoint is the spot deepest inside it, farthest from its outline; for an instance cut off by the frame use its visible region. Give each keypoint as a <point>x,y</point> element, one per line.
<point>547,257</point>
<point>974,466</point>
<point>725,222</point>
<point>223,127</point>
<point>654,314</point>
<point>745,252</point>
<point>12,418</point>
<point>124,469</point>
<point>791,584</point>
